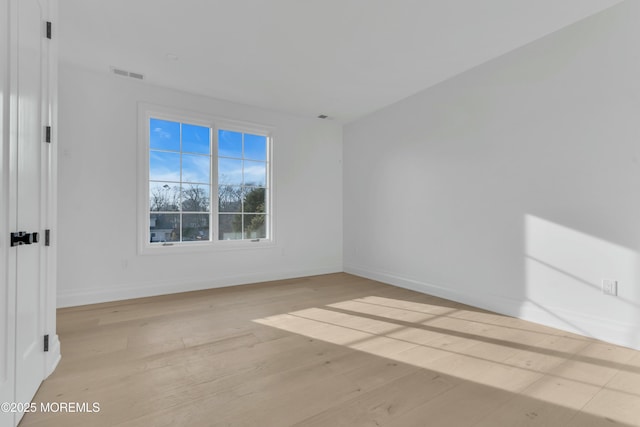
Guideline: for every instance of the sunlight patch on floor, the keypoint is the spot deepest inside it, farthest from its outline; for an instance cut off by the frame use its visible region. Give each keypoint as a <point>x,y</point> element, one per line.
<point>472,345</point>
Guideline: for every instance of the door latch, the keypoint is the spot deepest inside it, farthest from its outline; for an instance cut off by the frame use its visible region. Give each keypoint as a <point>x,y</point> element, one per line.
<point>23,238</point>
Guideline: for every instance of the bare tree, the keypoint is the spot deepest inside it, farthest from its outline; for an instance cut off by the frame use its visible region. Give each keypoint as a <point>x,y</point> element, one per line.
<point>165,199</point>
<point>230,198</point>
<point>195,199</point>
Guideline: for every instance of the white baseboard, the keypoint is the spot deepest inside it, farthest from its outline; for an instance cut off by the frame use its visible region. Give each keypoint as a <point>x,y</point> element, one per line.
<point>624,334</point>
<point>75,297</point>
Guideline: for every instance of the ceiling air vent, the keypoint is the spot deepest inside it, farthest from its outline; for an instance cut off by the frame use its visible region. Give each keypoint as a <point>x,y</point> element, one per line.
<point>125,73</point>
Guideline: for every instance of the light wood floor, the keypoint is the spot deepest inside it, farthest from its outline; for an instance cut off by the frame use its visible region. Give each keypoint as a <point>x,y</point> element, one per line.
<point>334,350</point>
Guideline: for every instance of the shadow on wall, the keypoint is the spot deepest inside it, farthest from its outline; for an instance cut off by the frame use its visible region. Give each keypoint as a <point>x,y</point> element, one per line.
<point>564,270</point>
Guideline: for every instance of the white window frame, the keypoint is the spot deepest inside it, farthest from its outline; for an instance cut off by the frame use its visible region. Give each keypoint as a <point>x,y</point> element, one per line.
<point>145,247</point>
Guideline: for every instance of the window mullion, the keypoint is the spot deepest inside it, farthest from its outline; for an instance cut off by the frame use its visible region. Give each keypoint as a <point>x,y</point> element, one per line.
<point>214,219</point>
<point>242,189</point>
<point>181,182</point>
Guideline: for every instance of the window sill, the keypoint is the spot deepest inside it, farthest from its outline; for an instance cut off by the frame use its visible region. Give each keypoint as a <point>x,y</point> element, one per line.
<point>204,247</point>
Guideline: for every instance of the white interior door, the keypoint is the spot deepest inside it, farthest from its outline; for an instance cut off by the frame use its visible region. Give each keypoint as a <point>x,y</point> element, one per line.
<point>32,80</point>
<point>26,107</point>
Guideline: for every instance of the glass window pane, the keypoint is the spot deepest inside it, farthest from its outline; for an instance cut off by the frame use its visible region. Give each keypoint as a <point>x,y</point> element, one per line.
<point>196,139</point>
<point>164,227</point>
<point>164,166</point>
<point>195,227</point>
<point>180,168</point>
<point>229,172</point>
<point>255,173</point>
<point>229,144</point>
<point>196,168</point>
<point>164,196</point>
<point>164,135</point>
<point>195,198</point>
<point>230,198</point>
<point>230,226</point>
<point>255,147</point>
<point>254,227</point>
<point>254,199</point>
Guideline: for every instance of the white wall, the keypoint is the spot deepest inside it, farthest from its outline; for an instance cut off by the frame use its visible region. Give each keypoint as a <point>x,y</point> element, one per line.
<point>97,196</point>
<point>514,186</point>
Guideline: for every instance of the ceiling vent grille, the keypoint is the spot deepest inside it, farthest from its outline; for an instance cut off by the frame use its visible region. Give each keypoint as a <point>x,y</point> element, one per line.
<point>125,73</point>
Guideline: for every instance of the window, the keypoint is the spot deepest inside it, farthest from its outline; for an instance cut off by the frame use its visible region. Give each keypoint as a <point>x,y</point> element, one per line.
<point>242,184</point>
<point>179,181</point>
<point>204,181</point>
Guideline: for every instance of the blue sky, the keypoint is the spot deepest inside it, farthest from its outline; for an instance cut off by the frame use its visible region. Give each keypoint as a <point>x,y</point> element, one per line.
<point>230,145</point>
<point>165,166</point>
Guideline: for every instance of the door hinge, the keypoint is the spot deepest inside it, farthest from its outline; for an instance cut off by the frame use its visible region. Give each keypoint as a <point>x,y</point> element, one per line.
<point>47,134</point>
<point>46,342</point>
<point>49,30</point>
<point>47,237</point>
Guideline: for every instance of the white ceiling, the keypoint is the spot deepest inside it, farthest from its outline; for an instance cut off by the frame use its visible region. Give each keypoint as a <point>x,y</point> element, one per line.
<point>343,58</point>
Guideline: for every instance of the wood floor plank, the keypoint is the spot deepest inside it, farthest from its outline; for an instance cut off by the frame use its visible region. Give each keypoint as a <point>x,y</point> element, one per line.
<point>385,403</point>
<point>464,405</point>
<point>331,350</point>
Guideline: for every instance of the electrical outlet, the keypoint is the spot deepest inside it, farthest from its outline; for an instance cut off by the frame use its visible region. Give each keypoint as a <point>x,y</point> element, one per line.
<point>609,287</point>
